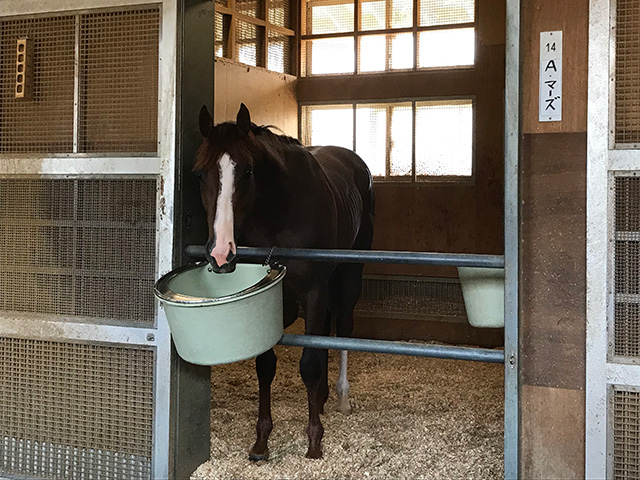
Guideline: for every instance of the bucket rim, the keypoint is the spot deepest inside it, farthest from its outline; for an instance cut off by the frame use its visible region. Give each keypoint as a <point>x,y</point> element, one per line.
<point>163,293</point>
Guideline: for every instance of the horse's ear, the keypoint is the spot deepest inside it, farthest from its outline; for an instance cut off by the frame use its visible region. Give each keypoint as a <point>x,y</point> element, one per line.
<point>206,121</point>
<point>243,120</point>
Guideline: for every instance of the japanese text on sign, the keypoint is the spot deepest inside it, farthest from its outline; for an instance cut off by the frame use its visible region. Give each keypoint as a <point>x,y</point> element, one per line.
<point>550,94</point>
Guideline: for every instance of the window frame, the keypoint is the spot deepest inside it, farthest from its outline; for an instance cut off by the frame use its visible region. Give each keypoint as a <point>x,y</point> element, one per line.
<point>414,178</point>
<point>357,33</point>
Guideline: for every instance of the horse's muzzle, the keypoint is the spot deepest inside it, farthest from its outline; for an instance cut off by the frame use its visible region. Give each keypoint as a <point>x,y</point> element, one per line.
<point>228,267</point>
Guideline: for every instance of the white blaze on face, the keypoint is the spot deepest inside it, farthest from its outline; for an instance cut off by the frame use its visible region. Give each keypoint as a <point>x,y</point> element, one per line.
<point>223,223</point>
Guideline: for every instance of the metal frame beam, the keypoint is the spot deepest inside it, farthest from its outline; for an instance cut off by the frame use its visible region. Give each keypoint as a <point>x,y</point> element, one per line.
<point>394,348</point>
<point>359,256</point>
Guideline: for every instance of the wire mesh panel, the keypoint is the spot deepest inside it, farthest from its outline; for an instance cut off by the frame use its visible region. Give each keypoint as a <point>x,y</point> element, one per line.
<point>222,25</point>
<point>80,248</point>
<point>249,43</point>
<point>279,13</point>
<point>624,405</point>
<point>411,298</point>
<point>251,8</point>
<point>42,122</point>
<point>627,72</point>
<point>279,52</point>
<point>627,267</point>
<point>75,411</point>
<point>119,81</point>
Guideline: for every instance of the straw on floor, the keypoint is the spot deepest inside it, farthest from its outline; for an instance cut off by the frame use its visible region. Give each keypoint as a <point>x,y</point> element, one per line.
<point>412,418</point>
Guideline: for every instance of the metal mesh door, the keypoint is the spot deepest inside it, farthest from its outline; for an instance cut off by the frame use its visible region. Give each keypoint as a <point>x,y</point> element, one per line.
<point>80,248</point>
<point>626,341</point>
<point>75,411</point>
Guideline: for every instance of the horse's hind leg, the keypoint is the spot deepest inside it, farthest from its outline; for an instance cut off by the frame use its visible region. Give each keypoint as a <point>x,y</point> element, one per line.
<point>342,385</point>
<point>348,282</point>
<point>266,370</point>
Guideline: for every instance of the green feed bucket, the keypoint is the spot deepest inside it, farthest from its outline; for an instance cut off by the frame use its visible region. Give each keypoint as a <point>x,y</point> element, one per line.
<point>483,292</point>
<point>222,318</point>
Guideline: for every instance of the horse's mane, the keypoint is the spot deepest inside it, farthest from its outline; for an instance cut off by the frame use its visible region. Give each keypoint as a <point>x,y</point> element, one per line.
<point>270,142</point>
<point>266,132</point>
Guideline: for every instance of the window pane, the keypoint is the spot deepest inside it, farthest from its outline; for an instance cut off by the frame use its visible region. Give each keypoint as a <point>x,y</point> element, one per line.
<point>249,38</point>
<point>327,55</point>
<point>446,12</point>
<point>401,13</point>
<point>373,15</point>
<point>279,53</point>
<point>446,48</point>
<point>371,137</point>
<point>385,52</point>
<point>401,139</point>
<point>444,138</point>
<point>252,8</point>
<point>373,53</point>
<point>401,51</point>
<point>333,18</point>
<point>222,23</point>
<point>328,125</point>
<point>279,13</point>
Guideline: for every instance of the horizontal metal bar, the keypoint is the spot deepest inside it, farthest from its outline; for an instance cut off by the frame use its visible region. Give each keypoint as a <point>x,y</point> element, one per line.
<point>394,348</point>
<point>361,256</point>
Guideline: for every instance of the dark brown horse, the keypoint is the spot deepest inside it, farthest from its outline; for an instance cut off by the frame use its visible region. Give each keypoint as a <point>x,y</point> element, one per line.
<point>262,189</point>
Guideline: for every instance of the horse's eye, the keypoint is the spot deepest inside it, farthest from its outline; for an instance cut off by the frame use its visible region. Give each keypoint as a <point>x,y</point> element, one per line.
<point>199,175</point>
<point>248,172</point>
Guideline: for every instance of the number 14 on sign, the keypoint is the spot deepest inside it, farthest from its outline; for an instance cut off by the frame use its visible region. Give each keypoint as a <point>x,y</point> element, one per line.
<point>550,93</point>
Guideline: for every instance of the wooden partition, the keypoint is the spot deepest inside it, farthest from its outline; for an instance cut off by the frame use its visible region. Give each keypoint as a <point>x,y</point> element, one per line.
<point>552,250</point>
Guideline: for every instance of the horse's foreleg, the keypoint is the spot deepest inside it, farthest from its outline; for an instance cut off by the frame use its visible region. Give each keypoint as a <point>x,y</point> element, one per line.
<point>312,368</point>
<point>342,386</point>
<point>266,370</point>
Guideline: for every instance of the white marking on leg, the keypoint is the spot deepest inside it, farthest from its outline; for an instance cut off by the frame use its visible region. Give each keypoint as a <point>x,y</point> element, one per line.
<point>342,385</point>
<point>223,223</point>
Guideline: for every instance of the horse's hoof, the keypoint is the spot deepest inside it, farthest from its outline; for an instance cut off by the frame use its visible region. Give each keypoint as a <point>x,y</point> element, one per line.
<point>258,457</point>
<point>344,407</point>
<point>314,453</point>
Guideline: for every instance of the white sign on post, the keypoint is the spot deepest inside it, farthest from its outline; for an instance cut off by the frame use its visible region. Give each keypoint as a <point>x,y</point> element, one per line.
<point>550,106</point>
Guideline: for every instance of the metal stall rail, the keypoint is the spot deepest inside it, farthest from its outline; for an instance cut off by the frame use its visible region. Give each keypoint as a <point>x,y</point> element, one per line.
<point>372,256</point>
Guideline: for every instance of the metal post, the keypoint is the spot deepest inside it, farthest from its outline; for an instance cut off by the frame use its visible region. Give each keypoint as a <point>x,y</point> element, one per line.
<point>511,242</point>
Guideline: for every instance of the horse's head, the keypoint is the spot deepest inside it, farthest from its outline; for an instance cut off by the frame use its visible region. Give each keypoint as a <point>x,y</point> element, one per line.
<point>224,166</point>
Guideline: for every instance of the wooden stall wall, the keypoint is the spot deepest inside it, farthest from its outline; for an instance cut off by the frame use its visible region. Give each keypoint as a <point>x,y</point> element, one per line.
<point>552,250</point>
<point>270,96</point>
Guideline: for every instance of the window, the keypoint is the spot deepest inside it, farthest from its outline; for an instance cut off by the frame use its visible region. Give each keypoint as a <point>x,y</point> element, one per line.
<point>256,32</point>
<point>400,141</point>
<point>367,36</point>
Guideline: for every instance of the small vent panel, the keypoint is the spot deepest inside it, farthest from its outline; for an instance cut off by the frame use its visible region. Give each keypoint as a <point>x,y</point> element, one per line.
<point>73,411</point>
<point>627,72</point>
<point>411,298</point>
<point>625,435</point>
<point>79,248</point>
